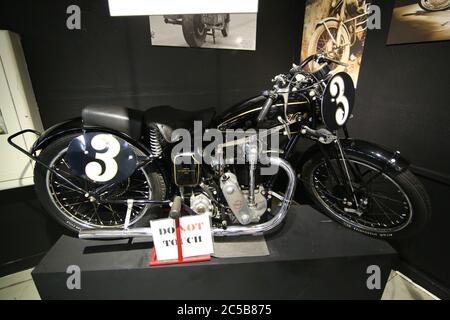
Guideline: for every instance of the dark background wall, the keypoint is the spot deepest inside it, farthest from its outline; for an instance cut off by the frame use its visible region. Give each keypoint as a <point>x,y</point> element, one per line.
<point>401,101</point>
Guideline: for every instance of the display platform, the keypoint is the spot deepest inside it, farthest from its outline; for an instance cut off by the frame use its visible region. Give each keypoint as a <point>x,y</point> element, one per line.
<point>311,257</point>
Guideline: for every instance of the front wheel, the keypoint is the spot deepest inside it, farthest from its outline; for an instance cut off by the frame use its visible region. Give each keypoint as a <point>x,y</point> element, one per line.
<point>383,204</point>
<point>434,5</point>
<point>325,39</point>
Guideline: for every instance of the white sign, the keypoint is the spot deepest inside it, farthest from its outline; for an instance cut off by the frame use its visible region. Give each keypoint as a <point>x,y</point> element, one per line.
<point>161,7</point>
<point>196,238</point>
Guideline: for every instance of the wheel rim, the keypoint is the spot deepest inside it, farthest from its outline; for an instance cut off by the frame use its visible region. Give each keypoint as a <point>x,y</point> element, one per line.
<point>388,209</point>
<point>79,209</point>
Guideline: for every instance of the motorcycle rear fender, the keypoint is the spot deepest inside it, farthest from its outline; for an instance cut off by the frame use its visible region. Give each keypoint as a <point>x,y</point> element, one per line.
<point>76,126</point>
<point>388,161</point>
<point>73,126</point>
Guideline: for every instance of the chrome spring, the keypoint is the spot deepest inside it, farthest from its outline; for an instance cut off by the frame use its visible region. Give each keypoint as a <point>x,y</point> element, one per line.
<point>155,142</point>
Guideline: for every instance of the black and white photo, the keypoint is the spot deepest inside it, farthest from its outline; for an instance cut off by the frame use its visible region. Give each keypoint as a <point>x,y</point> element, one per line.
<point>218,31</point>
<point>3,129</point>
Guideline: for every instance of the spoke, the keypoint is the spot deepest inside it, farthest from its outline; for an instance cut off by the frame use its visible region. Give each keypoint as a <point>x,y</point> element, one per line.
<point>65,163</point>
<point>324,190</point>
<point>383,211</point>
<point>98,216</point>
<point>112,212</point>
<point>392,211</point>
<point>377,195</point>
<point>75,203</point>
<point>132,187</point>
<point>376,175</point>
<point>67,187</point>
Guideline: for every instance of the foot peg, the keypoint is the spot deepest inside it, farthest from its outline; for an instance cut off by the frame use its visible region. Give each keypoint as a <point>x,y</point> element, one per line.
<point>175,210</point>
<point>322,135</point>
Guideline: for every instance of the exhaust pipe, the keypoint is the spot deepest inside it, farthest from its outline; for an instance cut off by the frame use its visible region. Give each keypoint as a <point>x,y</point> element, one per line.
<point>217,232</point>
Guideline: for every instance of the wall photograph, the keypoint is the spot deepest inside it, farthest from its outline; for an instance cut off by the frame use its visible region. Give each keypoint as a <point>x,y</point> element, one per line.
<point>337,28</point>
<point>420,21</point>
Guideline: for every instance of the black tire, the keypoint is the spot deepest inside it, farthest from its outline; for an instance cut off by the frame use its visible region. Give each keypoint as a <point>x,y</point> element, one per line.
<point>41,175</point>
<point>226,29</point>
<point>194,31</point>
<point>430,8</point>
<point>420,205</point>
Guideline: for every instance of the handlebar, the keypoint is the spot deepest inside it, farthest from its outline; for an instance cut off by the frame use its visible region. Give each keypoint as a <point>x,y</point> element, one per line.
<point>319,58</point>
<point>323,58</point>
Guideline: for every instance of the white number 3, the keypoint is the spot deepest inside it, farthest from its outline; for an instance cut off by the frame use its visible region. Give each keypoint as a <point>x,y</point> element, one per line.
<point>337,90</point>
<point>102,142</point>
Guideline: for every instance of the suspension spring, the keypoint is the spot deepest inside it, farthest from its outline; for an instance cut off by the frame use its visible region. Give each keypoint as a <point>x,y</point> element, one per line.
<point>155,142</point>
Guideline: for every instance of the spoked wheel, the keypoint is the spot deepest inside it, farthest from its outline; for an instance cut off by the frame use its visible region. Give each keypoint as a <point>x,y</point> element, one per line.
<point>434,5</point>
<point>325,39</point>
<point>74,209</point>
<point>380,204</point>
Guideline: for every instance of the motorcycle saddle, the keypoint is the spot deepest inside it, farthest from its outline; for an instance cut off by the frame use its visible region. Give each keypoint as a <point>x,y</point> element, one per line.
<point>129,121</point>
<point>176,118</point>
<point>125,120</point>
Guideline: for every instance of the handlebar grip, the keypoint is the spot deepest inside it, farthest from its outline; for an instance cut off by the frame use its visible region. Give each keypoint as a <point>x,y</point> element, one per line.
<point>265,109</point>
<point>335,61</point>
<point>176,208</point>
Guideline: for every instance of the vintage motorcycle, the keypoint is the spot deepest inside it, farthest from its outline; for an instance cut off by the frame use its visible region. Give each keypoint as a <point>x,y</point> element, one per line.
<point>106,174</point>
<point>344,26</point>
<point>197,26</point>
<point>434,5</point>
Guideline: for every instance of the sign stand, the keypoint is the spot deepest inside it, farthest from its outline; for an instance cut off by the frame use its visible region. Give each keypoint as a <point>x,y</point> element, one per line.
<point>175,214</point>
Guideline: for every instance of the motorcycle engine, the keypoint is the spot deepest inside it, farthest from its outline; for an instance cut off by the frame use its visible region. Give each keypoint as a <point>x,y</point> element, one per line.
<point>201,204</point>
<point>237,200</point>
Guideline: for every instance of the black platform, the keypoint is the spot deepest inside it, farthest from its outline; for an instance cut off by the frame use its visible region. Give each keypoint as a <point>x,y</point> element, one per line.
<point>311,258</point>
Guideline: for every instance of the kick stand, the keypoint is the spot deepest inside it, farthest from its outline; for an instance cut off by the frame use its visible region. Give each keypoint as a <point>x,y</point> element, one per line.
<point>175,213</point>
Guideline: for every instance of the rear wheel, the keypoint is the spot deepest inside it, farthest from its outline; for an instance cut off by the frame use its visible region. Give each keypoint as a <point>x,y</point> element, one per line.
<point>73,209</point>
<point>384,206</point>
<point>194,30</point>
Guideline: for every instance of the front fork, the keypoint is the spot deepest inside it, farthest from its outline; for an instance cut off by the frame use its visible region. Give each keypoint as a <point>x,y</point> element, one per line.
<point>342,177</point>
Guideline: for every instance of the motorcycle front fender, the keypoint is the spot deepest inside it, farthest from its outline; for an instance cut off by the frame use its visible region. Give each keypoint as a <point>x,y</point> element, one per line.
<point>326,20</point>
<point>386,160</point>
<point>383,159</point>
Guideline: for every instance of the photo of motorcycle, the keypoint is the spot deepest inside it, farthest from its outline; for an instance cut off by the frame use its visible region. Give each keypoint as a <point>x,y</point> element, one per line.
<point>419,21</point>
<point>106,174</point>
<point>345,25</point>
<point>197,26</point>
<point>434,5</point>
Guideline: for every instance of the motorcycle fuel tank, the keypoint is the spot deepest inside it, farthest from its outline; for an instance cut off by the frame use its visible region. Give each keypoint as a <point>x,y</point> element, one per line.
<point>244,115</point>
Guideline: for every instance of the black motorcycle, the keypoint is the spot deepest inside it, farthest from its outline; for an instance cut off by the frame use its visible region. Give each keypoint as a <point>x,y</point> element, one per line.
<point>104,175</point>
